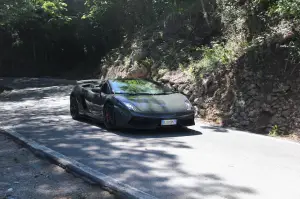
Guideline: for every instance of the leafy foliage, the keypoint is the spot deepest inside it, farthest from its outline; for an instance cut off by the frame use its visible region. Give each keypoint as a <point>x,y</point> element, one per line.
<point>16,12</point>
<point>132,15</point>
<point>286,8</point>
<point>13,11</point>
<point>220,54</point>
<point>274,131</point>
<point>66,32</point>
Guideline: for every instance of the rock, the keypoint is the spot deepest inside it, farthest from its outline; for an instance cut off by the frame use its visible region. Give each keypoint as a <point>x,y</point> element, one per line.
<point>257,104</point>
<point>155,78</point>
<point>249,101</point>
<point>245,123</point>
<point>137,72</point>
<point>198,90</point>
<point>252,86</point>
<point>181,87</point>
<point>202,112</point>
<point>154,66</point>
<point>277,120</point>
<point>192,97</point>
<point>281,89</point>
<point>286,107</point>
<point>168,85</point>
<point>228,96</point>
<point>285,88</point>
<point>204,105</point>
<point>286,113</point>
<point>161,72</point>
<point>114,72</point>
<point>276,106</point>
<point>252,119</point>
<point>282,128</point>
<point>212,88</point>
<point>252,113</point>
<point>138,55</point>
<point>164,80</point>
<point>196,111</point>
<point>252,92</point>
<point>269,98</point>
<point>243,115</point>
<point>175,86</point>
<point>198,101</point>
<point>186,92</point>
<point>267,108</point>
<point>175,77</point>
<point>9,190</point>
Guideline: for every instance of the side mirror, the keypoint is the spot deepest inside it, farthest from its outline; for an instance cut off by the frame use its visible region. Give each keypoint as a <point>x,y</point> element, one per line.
<point>96,90</point>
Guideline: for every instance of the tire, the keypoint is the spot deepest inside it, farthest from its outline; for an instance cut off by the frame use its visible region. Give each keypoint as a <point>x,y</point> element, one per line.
<point>74,109</point>
<point>109,117</point>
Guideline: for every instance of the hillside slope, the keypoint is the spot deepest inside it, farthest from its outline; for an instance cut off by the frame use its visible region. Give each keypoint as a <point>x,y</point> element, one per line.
<point>237,62</point>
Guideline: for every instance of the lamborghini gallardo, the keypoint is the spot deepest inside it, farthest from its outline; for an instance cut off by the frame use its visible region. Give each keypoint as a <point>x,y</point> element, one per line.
<point>130,103</point>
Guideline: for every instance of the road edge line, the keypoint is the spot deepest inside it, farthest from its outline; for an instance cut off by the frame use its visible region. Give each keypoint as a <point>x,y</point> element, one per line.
<point>106,182</point>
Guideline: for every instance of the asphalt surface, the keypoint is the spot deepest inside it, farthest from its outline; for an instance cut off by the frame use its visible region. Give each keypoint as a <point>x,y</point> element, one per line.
<point>201,162</point>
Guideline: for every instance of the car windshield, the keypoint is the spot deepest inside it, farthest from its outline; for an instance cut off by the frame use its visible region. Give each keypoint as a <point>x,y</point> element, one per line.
<point>138,87</point>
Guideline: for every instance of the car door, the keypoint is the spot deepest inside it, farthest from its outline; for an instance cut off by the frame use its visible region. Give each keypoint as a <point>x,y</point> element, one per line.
<point>87,97</point>
<point>99,100</point>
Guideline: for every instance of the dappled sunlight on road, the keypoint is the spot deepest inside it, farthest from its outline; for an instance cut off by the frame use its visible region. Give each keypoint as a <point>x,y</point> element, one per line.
<point>172,163</point>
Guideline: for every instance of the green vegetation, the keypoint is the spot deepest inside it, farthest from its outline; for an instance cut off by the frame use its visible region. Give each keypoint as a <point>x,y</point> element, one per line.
<point>274,131</point>
<point>286,8</point>
<point>61,35</point>
<point>218,55</point>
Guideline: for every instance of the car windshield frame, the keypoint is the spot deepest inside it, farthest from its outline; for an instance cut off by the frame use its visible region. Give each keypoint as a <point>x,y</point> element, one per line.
<point>138,87</point>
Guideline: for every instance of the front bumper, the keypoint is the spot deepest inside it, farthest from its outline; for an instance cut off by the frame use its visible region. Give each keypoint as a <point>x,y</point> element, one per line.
<point>126,119</point>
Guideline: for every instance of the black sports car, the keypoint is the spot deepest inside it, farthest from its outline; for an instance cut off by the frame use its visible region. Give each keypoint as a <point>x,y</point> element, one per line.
<point>130,103</point>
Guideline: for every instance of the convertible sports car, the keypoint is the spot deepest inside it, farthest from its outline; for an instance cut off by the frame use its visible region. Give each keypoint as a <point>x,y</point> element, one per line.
<point>130,103</point>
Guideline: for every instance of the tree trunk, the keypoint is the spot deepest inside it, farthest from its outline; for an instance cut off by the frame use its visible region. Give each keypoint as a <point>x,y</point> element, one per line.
<point>34,50</point>
<point>46,56</point>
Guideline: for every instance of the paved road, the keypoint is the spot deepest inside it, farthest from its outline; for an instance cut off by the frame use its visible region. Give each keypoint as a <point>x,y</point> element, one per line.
<point>201,162</point>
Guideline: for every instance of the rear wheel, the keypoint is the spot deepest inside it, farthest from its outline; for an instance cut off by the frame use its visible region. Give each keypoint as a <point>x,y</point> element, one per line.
<point>109,116</point>
<point>74,109</point>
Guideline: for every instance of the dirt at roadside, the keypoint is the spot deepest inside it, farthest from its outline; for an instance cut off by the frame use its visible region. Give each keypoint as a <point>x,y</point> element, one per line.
<point>24,176</point>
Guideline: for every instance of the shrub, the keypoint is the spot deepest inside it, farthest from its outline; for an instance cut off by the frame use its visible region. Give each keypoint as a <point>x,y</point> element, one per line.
<point>220,54</point>
<point>286,8</point>
<point>274,131</point>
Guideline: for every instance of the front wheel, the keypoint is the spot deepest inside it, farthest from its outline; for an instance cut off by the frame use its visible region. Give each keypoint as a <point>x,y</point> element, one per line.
<point>109,116</point>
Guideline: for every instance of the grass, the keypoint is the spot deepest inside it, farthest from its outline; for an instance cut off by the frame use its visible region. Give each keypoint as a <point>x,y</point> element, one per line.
<point>274,132</point>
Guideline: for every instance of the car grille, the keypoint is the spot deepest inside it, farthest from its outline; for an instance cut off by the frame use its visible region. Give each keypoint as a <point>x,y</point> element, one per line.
<point>140,121</point>
<point>186,122</point>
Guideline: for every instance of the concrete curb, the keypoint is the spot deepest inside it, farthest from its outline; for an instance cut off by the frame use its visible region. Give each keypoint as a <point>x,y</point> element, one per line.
<point>87,173</point>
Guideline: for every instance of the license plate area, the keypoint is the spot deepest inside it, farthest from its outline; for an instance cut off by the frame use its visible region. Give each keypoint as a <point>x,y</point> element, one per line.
<point>168,122</point>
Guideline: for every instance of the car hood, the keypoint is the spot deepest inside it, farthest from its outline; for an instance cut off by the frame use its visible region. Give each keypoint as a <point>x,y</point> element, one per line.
<point>171,103</point>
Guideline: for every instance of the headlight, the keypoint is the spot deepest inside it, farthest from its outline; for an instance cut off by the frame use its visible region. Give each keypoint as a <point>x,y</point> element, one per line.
<point>188,105</point>
<point>129,106</point>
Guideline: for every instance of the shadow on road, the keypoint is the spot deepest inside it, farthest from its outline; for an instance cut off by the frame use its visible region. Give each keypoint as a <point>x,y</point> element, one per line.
<point>141,134</point>
<point>217,129</point>
<point>23,83</point>
<point>154,162</point>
